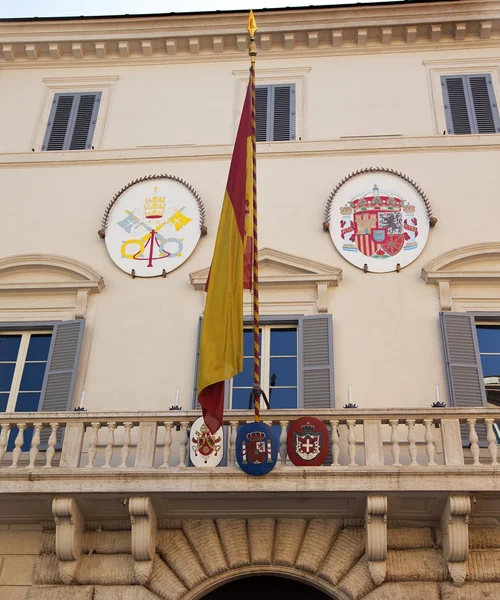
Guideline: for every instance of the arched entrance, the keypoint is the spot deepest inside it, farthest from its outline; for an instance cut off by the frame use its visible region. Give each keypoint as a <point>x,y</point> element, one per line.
<point>254,588</point>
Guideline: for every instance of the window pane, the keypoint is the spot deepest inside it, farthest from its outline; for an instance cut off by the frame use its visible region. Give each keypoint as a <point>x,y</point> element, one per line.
<point>489,338</point>
<point>240,398</point>
<point>283,397</point>
<point>248,342</point>
<point>32,378</point>
<point>284,342</point>
<point>491,366</point>
<point>3,402</point>
<point>246,377</point>
<point>6,374</point>
<point>9,347</point>
<point>27,402</point>
<point>283,371</point>
<point>38,348</point>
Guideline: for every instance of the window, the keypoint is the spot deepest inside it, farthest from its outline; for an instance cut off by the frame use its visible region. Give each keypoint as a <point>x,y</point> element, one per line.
<point>488,337</point>
<point>72,121</point>
<point>278,368</point>
<point>470,106</point>
<point>275,112</point>
<point>296,364</point>
<point>38,365</point>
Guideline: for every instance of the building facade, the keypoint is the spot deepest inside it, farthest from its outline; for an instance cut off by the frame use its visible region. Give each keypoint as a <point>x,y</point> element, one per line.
<point>378,143</point>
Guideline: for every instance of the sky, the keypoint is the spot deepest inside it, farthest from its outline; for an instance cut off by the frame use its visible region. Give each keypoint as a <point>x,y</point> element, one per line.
<point>62,8</point>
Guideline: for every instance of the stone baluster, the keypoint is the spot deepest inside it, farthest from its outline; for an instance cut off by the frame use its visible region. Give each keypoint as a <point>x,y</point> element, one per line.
<point>283,438</point>
<point>125,451</point>
<point>492,441</point>
<point>269,423</point>
<point>183,443</point>
<point>35,442</point>
<point>232,442</point>
<point>429,439</point>
<point>351,438</point>
<point>4,438</point>
<point>16,453</point>
<point>395,442</point>
<point>110,442</point>
<point>412,446</point>
<point>94,440</point>
<point>51,448</point>
<point>167,444</point>
<point>473,439</point>
<point>335,443</point>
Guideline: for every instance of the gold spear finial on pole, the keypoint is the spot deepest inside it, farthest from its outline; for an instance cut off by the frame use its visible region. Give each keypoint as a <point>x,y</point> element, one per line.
<point>252,25</point>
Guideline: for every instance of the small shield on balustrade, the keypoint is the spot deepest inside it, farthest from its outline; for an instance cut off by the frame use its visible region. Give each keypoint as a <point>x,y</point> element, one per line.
<point>257,448</point>
<point>205,448</point>
<point>307,442</point>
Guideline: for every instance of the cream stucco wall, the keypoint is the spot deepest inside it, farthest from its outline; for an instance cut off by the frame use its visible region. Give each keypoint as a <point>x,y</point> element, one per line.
<point>141,334</point>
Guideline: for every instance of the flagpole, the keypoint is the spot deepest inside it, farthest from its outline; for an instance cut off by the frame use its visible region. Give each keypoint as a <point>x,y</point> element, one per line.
<point>256,391</point>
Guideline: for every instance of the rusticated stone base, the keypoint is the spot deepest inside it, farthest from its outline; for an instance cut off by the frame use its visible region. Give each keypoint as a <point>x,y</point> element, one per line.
<point>196,556</point>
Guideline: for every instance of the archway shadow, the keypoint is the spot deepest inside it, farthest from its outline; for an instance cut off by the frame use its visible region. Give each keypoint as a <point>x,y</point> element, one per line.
<point>260,586</point>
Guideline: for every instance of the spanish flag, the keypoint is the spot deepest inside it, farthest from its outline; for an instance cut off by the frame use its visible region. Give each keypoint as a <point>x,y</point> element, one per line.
<point>221,343</point>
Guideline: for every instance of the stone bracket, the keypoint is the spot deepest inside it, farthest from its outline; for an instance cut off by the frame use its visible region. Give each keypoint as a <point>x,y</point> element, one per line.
<point>70,527</point>
<point>143,521</point>
<point>455,527</point>
<point>376,537</point>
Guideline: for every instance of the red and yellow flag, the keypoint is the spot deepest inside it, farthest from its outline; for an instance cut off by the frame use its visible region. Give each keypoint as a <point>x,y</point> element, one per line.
<point>221,343</point>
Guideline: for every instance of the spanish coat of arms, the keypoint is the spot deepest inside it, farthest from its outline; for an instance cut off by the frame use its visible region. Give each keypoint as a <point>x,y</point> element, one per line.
<point>206,449</point>
<point>256,448</point>
<point>307,442</point>
<point>378,220</point>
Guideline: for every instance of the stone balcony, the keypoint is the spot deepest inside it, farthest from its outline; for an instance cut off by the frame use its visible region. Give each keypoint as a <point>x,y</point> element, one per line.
<point>415,456</point>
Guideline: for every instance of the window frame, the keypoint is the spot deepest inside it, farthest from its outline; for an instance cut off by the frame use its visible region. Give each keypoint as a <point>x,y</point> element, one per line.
<point>455,67</point>
<point>21,361</point>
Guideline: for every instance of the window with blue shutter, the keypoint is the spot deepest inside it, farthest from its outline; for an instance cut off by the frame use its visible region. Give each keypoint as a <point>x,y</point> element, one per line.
<point>275,109</point>
<point>72,121</point>
<point>470,104</point>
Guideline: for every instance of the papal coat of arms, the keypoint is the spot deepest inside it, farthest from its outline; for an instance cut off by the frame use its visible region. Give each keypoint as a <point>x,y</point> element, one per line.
<point>153,225</point>
<point>206,448</point>
<point>307,442</point>
<point>379,228</point>
<point>256,448</point>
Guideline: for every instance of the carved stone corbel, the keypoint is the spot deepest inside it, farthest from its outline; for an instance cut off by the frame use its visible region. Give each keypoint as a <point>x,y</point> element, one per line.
<point>455,526</point>
<point>70,528</point>
<point>143,520</point>
<point>376,537</point>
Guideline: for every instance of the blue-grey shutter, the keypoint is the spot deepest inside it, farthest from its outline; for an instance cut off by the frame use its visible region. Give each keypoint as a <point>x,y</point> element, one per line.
<point>463,365</point>
<point>483,100</point>
<point>316,362</point>
<point>470,105</point>
<point>456,105</point>
<point>262,113</point>
<point>62,364</point>
<point>283,112</point>
<point>85,121</point>
<point>72,121</point>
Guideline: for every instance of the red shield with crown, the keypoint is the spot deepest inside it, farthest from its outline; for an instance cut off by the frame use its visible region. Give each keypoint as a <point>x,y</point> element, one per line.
<point>307,442</point>
<point>256,448</point>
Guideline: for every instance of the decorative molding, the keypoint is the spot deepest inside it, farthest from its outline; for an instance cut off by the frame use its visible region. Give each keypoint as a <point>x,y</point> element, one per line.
<point>376,537</point>
<point>444,294</point>
<point>143,521</point>
<point>455,527</point>
<point>70,528</point>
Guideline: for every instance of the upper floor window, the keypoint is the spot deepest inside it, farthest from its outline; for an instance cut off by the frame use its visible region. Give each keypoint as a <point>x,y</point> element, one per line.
<point>488,338</point>
<point>470,105</point>
<point>275,112</point>
<point>72,121</point>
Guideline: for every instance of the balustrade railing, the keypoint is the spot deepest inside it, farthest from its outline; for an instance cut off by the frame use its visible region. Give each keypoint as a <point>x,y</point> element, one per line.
<point>384,438</point>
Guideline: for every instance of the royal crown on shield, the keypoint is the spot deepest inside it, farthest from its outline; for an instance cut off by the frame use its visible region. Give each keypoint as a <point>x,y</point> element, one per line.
<point>373,200</point>
<point>256,436</point>
<point>154,207</point>
<point>307,429</point>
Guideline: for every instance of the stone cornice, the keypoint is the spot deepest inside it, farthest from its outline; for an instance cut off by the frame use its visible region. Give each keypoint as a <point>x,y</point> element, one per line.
<point>216,36</point>
<point>295,149</point>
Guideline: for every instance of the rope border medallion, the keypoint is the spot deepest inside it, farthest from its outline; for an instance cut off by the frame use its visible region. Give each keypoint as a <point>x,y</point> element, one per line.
<point>418,189</point>
<point>199,201</point>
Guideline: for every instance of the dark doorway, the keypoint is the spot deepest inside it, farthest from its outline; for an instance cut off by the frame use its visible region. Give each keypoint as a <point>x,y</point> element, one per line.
<point>265,586</point>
